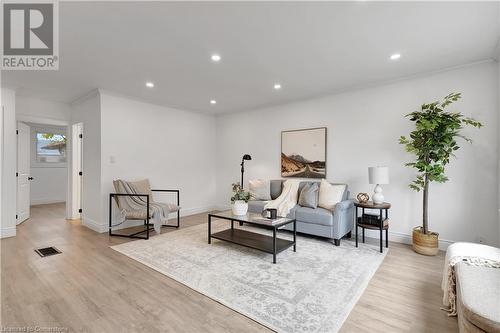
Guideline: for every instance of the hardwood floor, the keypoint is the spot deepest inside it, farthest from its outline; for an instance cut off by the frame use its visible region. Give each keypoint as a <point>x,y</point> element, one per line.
<point>92,288</point>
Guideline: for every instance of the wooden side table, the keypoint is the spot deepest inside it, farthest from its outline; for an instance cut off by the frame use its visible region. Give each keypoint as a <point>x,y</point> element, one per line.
<point>382,223</point>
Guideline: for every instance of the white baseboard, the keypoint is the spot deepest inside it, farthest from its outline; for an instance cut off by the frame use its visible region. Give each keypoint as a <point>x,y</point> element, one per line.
<point>101,228</point>
<point>45,201</point>
<point>91,224</point>
<point>194,210</point>
<point>394,236</point>
<point>401,237</point>
<point>7,232</point>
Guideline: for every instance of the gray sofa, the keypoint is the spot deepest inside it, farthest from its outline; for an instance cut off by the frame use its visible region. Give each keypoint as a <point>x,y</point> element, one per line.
<point>319,221</point>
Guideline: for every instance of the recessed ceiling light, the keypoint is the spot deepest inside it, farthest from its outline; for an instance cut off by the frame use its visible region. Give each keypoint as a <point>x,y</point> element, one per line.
<point>277,86</point>
<point>395,56</point>
<point>215,57</point>
<point>150,84</point>
<point>213,101</point>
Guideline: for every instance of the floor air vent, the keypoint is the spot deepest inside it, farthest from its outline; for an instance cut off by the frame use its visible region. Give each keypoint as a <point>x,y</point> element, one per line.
<point>47,251</point>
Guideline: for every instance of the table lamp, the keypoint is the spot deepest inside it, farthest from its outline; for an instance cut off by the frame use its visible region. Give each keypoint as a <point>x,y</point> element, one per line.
<point>378,175</point>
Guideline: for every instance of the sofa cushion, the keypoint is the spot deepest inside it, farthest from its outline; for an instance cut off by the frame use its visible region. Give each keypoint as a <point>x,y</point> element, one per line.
<point>276,187</point>
<point>479,295</point>
<point>309,196</point>
<point>330,195</point>
<point>260,189</point>
<point>315,216</point>
<point>256,206</point>
<point>303,184</point>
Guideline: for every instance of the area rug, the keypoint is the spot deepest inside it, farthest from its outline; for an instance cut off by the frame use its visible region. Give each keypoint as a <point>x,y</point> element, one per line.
<point>311,290</point>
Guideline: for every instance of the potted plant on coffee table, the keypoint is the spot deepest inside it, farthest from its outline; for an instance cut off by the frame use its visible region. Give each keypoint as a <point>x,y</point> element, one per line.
<point>433,142</point>
<point>239,200</point>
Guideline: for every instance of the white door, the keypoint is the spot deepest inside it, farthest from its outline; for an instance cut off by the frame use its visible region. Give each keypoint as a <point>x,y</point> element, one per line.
<point>23,172</point>
<point>77,170</point>
<point>79,167</point>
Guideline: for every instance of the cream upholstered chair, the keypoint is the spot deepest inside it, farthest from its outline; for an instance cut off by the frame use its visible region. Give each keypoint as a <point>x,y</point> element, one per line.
<point>142,195</point>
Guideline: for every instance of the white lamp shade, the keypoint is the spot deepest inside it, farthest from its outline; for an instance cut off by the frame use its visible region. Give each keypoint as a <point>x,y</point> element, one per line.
<point>378,175</point>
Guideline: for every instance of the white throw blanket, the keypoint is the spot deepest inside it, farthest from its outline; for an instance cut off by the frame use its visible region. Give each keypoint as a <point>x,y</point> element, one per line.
<point>136,206</point>
<point>287,199</point>
<point>473,254</point>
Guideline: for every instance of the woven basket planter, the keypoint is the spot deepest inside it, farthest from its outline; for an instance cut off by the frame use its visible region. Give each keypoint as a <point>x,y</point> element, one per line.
<point>426,244</point>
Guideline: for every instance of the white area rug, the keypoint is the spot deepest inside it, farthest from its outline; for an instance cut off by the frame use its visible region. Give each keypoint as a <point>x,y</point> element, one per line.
<point>311,290</point>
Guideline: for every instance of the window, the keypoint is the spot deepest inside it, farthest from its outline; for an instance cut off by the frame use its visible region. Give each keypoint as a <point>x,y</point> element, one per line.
<point>50,147</point>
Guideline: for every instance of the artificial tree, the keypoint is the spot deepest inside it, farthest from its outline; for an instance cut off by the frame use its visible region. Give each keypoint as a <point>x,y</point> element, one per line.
<point>433,142</point>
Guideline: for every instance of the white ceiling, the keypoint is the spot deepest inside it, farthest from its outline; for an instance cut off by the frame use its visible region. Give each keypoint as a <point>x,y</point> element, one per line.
<point>310,48</point>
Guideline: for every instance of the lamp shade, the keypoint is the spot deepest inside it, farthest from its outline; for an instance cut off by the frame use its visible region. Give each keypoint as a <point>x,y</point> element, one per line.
<point>378,175</point>
<point>247,157</point>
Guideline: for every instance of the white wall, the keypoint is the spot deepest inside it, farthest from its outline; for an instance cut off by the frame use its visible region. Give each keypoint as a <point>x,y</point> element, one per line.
<point>49,185</point>
<point>42,111</point>
<point>363,130</point>
<point>1,157</point>
<point>498,73</point>
<point>8,182</point>
<point>129,139</point>
<point>50,180</point>
<point>87,110</point>
<point>175,149</point>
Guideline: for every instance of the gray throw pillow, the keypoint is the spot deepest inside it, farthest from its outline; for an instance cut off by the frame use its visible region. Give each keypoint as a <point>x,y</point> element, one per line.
<point>260,189</point>
<point>309,196</point>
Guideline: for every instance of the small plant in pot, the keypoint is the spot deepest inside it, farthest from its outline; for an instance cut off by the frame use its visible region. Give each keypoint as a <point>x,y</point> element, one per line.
<point>239,200</point>
<point>433,142</point>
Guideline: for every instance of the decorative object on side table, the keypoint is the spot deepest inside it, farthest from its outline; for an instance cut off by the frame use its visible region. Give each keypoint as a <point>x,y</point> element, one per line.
<point>363,197</point>
<point>378,175</point>
<point>433,142</point>
<point>239,200</point>
<point>303,153</point>
<point>245,157</point>
<point>373,221</point>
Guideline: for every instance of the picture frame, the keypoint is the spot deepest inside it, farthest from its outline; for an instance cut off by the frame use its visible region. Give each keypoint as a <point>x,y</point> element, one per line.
<point>303,153</point>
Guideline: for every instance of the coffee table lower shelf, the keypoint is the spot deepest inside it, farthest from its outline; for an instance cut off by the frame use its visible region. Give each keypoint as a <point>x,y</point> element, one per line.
<point>253,240</point>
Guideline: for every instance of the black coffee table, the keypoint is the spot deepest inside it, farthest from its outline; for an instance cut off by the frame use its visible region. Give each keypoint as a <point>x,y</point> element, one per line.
<point>268,244</point>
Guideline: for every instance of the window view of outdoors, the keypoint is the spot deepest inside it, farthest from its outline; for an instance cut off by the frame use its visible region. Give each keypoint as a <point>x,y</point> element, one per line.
<point>50,147</point>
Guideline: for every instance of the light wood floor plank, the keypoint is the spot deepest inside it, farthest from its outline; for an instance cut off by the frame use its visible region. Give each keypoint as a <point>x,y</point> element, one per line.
<point>91,288</point>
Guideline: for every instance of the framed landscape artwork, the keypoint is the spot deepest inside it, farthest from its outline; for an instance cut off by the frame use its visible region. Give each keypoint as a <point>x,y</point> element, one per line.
<point>303,153</point>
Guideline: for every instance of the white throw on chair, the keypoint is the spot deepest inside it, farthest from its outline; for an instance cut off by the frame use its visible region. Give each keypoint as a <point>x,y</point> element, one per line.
<point>135,202</point>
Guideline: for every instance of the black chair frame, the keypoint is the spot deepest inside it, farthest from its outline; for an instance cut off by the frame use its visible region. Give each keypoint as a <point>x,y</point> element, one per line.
<point>146,222</point>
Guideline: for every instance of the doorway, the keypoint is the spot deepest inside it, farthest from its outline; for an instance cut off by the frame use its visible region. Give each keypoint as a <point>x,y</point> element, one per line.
<point>42,167</point>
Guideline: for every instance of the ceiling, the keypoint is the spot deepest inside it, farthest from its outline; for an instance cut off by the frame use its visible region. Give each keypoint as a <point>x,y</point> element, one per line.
<point>311,48</point>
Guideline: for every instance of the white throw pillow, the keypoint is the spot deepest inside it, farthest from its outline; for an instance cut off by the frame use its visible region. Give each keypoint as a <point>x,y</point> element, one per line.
<point>260,189</point>
<point>330,195</point>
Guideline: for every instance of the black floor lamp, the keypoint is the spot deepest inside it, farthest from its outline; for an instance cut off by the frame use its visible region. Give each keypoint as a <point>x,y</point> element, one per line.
<point>246,157</point>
